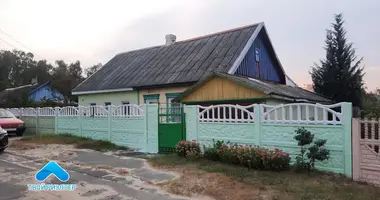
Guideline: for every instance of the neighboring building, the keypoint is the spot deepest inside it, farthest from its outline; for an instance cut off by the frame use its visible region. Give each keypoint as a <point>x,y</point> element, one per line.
<point>34,92</point>
<point>161,73</point>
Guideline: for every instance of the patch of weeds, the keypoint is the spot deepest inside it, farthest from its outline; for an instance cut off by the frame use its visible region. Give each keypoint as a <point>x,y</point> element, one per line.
<point>79,142</point>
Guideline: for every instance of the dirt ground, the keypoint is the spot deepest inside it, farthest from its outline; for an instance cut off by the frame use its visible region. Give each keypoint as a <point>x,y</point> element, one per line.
<point>98,175</point>
<point>194,181</point>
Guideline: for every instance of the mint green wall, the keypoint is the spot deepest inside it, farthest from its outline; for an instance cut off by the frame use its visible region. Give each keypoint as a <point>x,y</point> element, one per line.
<point>30,123</point>
<point>152,128</point>
<point>46,124</point>
<point>114,97</point>
<point>142,132</point>
<point>139,133</point>
<point>281,136</point>
<point>276,135</point>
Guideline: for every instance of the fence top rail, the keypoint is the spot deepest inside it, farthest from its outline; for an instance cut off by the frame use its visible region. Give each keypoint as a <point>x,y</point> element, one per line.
<point>226,113</point>
<point>303,112</point>
<point>131,110</point>
<point>369,120</point>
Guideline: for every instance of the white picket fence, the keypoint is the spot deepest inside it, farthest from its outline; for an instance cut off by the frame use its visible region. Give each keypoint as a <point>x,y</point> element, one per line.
<point>130,110</point>
<point>296,113</point>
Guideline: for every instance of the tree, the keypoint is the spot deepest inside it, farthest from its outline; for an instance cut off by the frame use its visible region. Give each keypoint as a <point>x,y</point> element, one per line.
<point>371,104</point>
<point>90,71</point>
<point>339,75</point>
<point>18,68</point>
<point>66,77</point>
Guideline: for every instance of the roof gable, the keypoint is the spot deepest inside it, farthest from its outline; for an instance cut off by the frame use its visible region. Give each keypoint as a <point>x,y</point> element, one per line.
<point>273,90</point>
<point>269,68</point>
<point>184,62</point>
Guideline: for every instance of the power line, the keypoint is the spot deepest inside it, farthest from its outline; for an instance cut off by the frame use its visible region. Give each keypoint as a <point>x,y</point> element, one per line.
<point>18,42</point>
<point>8,43</point>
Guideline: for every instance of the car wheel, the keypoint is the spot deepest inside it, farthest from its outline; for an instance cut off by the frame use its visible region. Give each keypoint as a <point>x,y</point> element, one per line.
<point>19,133</point>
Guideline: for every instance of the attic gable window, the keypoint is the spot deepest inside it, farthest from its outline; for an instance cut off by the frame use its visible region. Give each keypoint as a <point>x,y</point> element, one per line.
<point>257,54</point>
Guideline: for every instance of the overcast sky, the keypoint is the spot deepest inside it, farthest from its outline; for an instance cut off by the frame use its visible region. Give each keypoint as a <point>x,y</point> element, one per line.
<point>94,31</point>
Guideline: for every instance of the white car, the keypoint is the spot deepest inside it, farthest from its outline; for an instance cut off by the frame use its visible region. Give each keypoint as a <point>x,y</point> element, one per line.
<point>3,139</point>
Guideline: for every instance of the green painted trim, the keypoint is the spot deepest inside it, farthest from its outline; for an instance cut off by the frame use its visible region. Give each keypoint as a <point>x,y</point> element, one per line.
<point>151,96</point>
<point>171,95</point>
<point>226,101</point>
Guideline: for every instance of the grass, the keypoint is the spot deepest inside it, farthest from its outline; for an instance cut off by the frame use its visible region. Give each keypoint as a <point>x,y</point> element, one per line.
<point>275,185</point>
<point>79,142</point>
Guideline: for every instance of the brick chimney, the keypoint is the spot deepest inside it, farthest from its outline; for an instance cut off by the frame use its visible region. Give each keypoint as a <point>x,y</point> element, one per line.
<point>34,81</point>
<point>170,39</point>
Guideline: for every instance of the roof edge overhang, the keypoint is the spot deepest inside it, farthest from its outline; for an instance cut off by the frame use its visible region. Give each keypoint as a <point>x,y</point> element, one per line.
<point>270,94</point>
<point>295,99</point>
<point>165,85</point>
<point>248,45</point>
<point>102,91</point>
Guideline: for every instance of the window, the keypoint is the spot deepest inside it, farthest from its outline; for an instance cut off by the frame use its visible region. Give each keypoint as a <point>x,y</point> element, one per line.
<point>152,99</point>
<point>126,109</point>
<point>106,104</point>
<point>257,54</point>
<point>173,108</point>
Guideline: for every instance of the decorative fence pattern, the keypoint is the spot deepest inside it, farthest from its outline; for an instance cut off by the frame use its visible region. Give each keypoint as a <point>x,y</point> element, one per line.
<point>263,125</point>
<point>366,156</point>
<point>274,127</point>
<point>125,125</point>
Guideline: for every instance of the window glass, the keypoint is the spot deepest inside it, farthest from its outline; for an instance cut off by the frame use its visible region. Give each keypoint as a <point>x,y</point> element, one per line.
<point>151,101</point>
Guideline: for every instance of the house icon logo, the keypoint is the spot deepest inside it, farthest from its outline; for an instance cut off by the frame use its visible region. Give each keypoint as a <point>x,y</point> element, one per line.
<point>52,168</point>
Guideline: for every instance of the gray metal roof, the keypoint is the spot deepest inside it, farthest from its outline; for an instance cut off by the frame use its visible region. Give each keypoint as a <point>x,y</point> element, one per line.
<point>272,89</point>
<point>180,63</point>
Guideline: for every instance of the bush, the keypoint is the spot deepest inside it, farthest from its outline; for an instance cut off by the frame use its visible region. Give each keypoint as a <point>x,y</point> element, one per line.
<point>250,156</point>
<point>309,152</point>
<point>188,149</point>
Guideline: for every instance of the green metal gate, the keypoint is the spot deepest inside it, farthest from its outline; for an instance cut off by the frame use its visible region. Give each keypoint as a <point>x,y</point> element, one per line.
<point>171,126</point>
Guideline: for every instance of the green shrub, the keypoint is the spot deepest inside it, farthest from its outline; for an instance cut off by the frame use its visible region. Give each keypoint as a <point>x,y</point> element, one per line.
<point>249,156</point>
<point>211,153</point>
<point>188,149</point>
<point>309,152</point>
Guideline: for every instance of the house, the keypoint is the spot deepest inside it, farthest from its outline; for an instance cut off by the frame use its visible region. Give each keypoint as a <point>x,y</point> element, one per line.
<point>33,92</point>
<point>159,74</point>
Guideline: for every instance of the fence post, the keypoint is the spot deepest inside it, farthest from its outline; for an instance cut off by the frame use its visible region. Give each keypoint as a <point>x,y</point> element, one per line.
<point>109,111</point>
<point>192,123</point>
<point>56,114</point>
<point>356,131</point>
<point>347,127</point>
<point>21,110</point>
<point>257,123</point>
<point>80,120</point>
<point>37,120</point>
<point>145,109</point>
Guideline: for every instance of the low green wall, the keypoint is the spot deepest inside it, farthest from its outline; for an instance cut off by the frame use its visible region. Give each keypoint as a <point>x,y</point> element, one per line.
<point>278,135</point>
